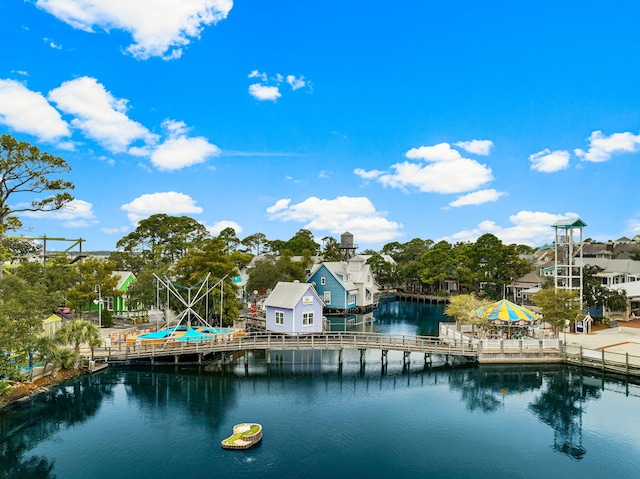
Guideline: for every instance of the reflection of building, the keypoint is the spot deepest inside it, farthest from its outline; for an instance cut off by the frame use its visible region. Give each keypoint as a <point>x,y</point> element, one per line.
<point>561,404</point>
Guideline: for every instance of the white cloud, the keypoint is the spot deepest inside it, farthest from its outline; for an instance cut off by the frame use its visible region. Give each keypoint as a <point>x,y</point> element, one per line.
<point>263,92</point>
<point>115,231</point>
<point>160,28</point>
<point>602,148</point>
<point>446,172</point>
<point>216,228</point>
<point>257,74</point>
<point>99,115</point>
<point>368,175</point>
<point>477,198</point>
<point>26,111</point>
<point>296,83</point>
<point>180,151</point>
<point>52,44</point>
<point>279,206</point>
<point>442,177</point>
<point>75,214</point>
<point>354,214</point>
<point>532,228</point>
<point>439,152</point>
<point>169,202</point>
<point>547,161</point>
<point>478,147</point>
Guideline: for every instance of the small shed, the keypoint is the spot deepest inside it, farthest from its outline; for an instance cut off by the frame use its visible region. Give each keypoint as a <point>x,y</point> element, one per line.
<point>584,325</point>
<point>51,326</point>
<point>294,308</point>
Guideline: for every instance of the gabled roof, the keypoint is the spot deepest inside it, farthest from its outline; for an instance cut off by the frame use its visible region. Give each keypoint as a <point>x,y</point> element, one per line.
<point>122,277</point>
<point>287,295</point>
<point>620,266</point>
<point>338,269</point>
<point>533,277</point>
<point>569,222</point>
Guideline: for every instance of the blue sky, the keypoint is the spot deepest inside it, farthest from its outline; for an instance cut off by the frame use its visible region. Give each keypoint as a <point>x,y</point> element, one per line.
<point>437,120</point>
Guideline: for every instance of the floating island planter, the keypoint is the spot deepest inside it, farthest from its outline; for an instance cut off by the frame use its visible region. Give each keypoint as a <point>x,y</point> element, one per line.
<point>244,436</point>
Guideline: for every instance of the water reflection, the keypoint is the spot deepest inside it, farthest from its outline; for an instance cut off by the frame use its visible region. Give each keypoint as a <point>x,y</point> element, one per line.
<point>393,317</point>
<point>561,405</point>
<point>556,395</point>
<point>25,425</point>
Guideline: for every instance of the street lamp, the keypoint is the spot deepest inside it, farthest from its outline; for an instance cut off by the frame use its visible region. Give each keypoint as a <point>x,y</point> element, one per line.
<point>98,290</point>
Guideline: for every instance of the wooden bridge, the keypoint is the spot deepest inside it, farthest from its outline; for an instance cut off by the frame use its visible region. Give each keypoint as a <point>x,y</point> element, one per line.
<point>178,351</point>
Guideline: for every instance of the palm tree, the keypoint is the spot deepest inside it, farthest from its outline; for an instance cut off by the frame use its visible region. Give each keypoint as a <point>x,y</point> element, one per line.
<point>77,333</point>
<point>63,359</point>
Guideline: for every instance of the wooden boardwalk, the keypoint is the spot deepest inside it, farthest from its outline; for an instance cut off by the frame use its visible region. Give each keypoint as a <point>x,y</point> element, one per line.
<point>502,351</point>
<point>602,360</point>
<point>278,342</point>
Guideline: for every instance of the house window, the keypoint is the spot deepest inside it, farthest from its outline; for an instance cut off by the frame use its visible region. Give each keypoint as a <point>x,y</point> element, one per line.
<point>351,299</point>
<point>367,294</point>
<point>279,318</point>
<point>307,319</point>
<point>108,303</point>
<point>327,297</point>
<point>323,281</point>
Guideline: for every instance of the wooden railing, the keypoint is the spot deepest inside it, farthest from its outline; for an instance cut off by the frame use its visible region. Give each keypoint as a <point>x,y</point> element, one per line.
<point>608,361</point>
<point>269,341</point>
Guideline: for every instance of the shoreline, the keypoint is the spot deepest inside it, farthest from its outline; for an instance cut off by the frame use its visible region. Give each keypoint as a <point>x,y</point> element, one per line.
<point>25,390</point>
<point>621,339</point>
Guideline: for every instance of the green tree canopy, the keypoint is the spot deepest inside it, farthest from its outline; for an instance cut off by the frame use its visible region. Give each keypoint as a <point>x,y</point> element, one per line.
<point>95,278</point>
<point>162,239</point>
<point>331,250</point>
<point>464,308</point>
<point>23,307</point>
<point>256,243</point>
<point>383,271</point>
<point>77,333</point>
<point>268,271</point>
<point>300,244</point>
<point>438,263</point>
<point>211,258</point>
<point>559,306</point>
<point>595,294</point>
<point>24,169</point>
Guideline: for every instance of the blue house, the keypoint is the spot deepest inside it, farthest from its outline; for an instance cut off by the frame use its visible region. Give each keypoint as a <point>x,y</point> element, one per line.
<point>294,308</point>
<point>345,285</point>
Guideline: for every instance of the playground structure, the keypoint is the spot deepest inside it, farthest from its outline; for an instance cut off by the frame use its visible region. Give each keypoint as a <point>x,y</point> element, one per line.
<point>192,321</point>
<point>68,253</point>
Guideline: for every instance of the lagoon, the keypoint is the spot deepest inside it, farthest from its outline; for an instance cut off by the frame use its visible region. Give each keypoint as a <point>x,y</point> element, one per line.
<point>321,419</point>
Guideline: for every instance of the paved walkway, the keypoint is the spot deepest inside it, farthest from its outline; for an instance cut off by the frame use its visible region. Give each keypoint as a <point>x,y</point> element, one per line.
<point>616,340</point>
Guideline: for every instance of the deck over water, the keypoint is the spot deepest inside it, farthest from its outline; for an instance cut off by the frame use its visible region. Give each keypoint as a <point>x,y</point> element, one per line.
<point>446,344</point>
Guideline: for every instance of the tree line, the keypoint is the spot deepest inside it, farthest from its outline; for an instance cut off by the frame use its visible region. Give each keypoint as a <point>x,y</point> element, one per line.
<point>181,249</point>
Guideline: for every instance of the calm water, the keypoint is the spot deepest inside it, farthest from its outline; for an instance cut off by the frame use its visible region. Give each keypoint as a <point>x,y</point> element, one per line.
<point>321,420</point>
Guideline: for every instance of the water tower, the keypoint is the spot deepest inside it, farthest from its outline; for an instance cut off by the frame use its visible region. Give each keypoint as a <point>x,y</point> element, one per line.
<point>568,255</point>
<point>347,247</point>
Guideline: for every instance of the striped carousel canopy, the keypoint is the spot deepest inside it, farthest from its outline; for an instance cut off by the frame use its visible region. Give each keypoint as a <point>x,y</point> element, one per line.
<point>504,312</point>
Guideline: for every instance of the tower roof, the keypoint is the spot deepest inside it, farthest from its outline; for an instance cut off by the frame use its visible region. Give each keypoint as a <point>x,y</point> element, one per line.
<point>569,223</point>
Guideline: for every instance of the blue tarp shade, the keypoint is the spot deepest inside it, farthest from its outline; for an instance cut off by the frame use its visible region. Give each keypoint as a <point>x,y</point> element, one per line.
<point>193,335</point>
<point>163,333</point>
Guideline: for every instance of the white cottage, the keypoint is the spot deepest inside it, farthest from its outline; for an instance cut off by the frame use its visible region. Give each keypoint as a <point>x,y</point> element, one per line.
<point>294,308</point>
